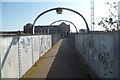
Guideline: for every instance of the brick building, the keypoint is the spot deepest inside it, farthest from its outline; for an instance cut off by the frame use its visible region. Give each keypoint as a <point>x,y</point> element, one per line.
<point>28,29</point>
<point>62,29</point>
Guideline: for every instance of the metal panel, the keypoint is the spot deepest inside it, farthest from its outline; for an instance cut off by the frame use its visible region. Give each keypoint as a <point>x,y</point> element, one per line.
<point>9,57</point>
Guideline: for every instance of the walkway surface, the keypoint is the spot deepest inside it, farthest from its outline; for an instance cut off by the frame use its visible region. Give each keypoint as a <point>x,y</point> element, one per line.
<point>60,61</point>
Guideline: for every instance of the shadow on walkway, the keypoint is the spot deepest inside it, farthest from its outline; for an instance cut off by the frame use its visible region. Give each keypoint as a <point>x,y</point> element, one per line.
<point>61,61</point>
<point>67,64</point>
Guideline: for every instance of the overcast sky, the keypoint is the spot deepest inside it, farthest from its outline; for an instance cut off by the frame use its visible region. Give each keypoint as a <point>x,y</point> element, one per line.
<point>17,13</point>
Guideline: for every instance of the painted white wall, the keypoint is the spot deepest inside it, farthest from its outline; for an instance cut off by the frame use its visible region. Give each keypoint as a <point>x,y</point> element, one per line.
<point>19,53</point>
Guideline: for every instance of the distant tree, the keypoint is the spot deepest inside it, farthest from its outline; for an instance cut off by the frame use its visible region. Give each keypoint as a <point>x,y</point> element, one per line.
<point>110,22</point>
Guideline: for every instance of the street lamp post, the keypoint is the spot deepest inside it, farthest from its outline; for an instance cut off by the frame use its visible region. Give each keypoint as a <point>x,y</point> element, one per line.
<point>59,11</point>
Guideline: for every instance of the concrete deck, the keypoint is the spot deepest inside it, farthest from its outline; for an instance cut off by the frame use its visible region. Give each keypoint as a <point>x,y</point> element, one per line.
<point>60,61</point>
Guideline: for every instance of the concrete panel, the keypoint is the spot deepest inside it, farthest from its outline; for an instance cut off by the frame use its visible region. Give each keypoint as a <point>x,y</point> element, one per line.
<point>100,50</point>
<point>55,38</point>
<point>35,48</point>
<point>47,43</point>
<point>95,50</point>
<point>72,39</point>
<point>42,45</point>
<point>116,54</point>
<point>106,54</point>
<point>25,54</point>
<point>19,53</point>
<point>44,42</point>
<point>0,56</point>
<point>118,51</point>
<point>9,57</point>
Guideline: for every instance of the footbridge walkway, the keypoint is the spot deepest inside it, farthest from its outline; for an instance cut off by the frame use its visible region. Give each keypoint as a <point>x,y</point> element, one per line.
<point>83,55</point>
<point>60,61</point>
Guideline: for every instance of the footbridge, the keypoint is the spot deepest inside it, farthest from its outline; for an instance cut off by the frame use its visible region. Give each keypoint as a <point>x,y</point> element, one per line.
<point>83,55</point>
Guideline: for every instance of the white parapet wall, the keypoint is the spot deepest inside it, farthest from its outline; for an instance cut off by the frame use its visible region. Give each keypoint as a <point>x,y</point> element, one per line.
<point>9,57</point>
<point>19,53</point>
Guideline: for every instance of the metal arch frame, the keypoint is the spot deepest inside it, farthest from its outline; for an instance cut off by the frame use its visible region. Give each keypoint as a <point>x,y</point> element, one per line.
<point>65,21</point>
<point>64,9</point>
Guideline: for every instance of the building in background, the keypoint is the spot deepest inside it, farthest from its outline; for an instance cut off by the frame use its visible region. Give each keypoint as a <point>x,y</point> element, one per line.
<point>62,29</point>
<point>28,29</point>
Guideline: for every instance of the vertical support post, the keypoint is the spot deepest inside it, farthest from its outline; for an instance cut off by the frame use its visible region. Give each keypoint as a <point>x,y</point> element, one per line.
<point>19,57</point>
<point>32,50</point>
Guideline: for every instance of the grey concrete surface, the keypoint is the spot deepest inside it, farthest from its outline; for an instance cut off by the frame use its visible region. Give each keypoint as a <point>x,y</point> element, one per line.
<point>67,64</point>
<point>101,51</point>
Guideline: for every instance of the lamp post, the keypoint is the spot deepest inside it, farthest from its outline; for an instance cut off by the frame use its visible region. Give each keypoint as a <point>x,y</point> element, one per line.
<point>59,11</point>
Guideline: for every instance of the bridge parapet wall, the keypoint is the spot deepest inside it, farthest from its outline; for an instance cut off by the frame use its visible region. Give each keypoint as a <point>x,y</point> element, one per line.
<point>71,39</point>
<point>55,38</point>
<point>19,53</point>
<point>100,51</point>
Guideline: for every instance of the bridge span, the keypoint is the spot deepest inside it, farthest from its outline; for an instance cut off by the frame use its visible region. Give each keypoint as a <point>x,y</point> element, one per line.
<point>84,55</point>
